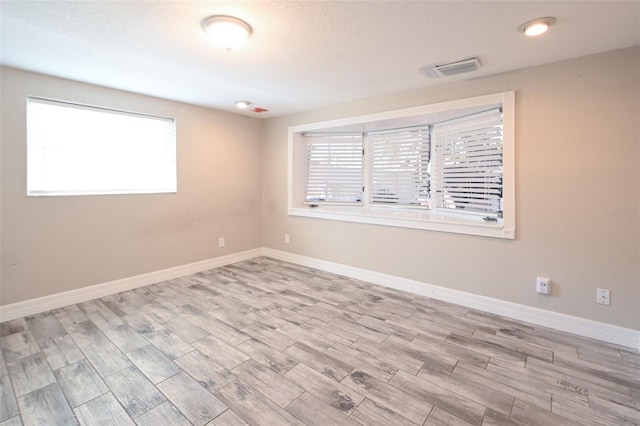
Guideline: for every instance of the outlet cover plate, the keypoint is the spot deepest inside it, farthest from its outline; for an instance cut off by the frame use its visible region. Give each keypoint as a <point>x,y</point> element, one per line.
<point>603,296</point>
<point>543,285</point>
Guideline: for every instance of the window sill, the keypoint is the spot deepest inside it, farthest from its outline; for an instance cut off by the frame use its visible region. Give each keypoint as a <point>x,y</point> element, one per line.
<point>408,218</point>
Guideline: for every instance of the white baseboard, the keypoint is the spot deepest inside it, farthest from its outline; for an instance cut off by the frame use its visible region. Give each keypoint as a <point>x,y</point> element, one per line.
<point>563,322</point>
<point>54,301</point>
<point>571,324</point>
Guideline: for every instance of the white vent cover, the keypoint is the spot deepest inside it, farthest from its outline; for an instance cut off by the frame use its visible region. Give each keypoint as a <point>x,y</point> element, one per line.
<point>453,68</point>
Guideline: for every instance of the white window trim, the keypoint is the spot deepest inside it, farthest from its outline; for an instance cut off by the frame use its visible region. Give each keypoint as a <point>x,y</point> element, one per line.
<point>407,217</point>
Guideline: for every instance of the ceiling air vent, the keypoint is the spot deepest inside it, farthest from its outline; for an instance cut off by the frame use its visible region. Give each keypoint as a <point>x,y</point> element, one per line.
<point>453,68</point>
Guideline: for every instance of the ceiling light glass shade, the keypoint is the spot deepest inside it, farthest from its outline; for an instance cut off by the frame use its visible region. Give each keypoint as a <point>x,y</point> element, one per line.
<point>227,31</point>
<point>537,26</point>
<point>243,104</point>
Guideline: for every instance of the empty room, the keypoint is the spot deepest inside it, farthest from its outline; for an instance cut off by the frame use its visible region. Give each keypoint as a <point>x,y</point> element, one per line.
<point>370,213</point>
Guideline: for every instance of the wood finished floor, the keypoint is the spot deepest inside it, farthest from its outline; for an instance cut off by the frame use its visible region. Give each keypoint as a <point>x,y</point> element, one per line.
<point>265,342</point>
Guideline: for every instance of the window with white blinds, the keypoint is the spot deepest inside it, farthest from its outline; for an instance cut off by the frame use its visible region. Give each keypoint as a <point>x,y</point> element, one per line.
<point>463,175</point>
<point>447,167</point>
<point>77,149</point>
<point>334,168</point>
<point>399,164</point>
<point>468,164</point>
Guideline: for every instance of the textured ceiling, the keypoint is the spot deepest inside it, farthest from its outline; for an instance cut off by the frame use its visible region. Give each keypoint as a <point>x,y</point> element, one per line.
<point>302,54</point>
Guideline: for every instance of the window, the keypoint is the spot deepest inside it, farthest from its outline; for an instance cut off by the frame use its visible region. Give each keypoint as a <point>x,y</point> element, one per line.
<point>445,167</point>
<point>468,168</point>
<point>79,150</point>
<point>399,161</point>
<point>334,168</point>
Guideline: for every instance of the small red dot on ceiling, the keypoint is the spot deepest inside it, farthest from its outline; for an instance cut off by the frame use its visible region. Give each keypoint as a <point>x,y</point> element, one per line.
<point>259,110</point>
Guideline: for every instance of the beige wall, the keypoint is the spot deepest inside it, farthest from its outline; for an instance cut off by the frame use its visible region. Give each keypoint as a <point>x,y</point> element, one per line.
<point>577,156</point>
<point>55,244</point>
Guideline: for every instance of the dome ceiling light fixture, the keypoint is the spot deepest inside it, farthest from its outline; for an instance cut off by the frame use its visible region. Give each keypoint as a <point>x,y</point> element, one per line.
<point>228,31</point>
<point>243,104</point>
<point>537,26</point>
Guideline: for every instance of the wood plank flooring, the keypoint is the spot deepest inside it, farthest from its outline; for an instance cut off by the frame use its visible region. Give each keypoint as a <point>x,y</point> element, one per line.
<point>265,342</point>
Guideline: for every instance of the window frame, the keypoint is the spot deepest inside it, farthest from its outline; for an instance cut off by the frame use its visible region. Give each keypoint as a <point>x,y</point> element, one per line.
<point>401,216</point>
<point>165,156</point>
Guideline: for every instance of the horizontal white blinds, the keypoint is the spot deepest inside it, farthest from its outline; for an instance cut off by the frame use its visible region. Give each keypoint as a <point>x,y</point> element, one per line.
<point>334,168</point>
<point>467,171</point>
<point>399,166</point>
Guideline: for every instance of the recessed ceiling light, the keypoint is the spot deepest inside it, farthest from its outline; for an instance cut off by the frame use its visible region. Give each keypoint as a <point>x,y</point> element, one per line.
<point>537,26</point>
<point>243,104</point>
<point>228,31</point>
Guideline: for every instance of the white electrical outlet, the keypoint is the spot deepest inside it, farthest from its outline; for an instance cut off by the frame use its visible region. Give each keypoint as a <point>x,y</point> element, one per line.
<point>543,285</point>
<point>221,242</point>
<point>287,240</point>
<point>603,296</point>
